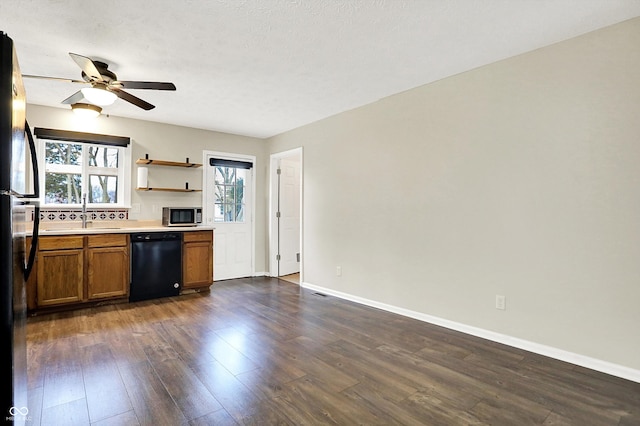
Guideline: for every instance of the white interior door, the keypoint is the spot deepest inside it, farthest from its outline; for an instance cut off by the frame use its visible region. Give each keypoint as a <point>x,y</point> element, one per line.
<point>228,206</point>
<point>286,194</point>
<point>289,226</point>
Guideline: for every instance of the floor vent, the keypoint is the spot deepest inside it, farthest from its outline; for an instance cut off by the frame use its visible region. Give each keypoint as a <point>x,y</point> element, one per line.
<point>320,294</point>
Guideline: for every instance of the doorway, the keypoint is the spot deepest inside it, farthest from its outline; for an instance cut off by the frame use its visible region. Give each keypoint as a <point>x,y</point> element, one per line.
<point>228,205</point>
<point>285,240</point>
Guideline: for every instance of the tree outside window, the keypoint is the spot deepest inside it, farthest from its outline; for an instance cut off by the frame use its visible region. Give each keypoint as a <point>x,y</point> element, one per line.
<point>73,169</point>
<point>229,194</point>
<point>63,178</point>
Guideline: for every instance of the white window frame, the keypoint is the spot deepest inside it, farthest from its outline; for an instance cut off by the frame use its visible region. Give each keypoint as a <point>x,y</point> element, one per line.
<point>123,174</point>
<point>224,185</point>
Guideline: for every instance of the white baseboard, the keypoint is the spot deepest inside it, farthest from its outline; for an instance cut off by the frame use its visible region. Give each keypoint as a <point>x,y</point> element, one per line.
<point>559,354</point>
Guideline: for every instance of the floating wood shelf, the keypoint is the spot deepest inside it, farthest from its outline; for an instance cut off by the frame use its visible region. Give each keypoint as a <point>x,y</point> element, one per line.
<point>166,163</point>
<point>169,189</point>
<point>187,164</point>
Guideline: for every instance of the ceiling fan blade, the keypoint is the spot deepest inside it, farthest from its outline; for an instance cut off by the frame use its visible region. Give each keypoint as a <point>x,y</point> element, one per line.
<point>87,66</point>
<point>132,99</point>
<point>76,97</point>
<point>153,85</point>
<point>68,80</point>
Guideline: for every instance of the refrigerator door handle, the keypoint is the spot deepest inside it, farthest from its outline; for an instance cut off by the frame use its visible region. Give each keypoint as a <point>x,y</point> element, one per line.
<point>36,194</point>
<point>34,241</point>
<point>34,163</point>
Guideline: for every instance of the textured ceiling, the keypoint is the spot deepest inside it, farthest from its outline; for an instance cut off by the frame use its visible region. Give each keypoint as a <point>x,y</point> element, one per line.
<point>262,67</point>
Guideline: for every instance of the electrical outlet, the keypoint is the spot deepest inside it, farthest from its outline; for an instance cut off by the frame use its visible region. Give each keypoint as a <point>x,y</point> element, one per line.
<point>339,271</point>
<point>501,302</point>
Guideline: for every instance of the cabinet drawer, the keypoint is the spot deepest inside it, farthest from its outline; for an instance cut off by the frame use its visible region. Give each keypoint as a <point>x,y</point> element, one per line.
<point>60,243</point>
<point>107,240</point>
<point>191,236</point>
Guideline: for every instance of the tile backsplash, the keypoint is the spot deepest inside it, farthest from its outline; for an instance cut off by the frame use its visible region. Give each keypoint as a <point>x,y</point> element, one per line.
<point>52,215</point>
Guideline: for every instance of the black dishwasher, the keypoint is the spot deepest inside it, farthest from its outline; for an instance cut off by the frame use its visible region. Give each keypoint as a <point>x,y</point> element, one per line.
<point>156,265</point>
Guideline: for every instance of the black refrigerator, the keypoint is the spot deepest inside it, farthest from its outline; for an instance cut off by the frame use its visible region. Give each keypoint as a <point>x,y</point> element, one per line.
<point>18,175</point>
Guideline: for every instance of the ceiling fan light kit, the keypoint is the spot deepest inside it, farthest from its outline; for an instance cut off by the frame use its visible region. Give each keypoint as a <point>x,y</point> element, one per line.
<point>105,86</point>
<point>98,96</point>
<point>86,110</point>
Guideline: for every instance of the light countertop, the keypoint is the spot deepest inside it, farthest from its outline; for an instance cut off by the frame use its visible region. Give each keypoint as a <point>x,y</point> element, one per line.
<point>112,227</point>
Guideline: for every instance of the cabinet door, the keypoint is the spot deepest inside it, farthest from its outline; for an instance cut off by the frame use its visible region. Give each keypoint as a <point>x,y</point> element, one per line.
<point>197,266</point>
<point>60,277</point>
<point>107,272</point>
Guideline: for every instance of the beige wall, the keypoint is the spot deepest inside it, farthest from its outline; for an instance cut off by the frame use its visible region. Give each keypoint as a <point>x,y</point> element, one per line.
<point>521,178</point>
<point>173,143</point>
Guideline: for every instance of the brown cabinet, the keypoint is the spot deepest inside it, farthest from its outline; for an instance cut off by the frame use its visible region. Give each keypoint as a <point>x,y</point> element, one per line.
<point>60,270</point>
<point>76,269</point>
<point>107,266</point>
<point>197,259</point>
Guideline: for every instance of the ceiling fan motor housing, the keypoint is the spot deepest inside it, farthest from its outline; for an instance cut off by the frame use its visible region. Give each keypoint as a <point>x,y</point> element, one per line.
<point>105,74</point>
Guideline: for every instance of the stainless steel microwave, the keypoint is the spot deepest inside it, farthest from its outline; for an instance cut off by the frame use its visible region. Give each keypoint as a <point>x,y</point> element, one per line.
<point>181,216</point>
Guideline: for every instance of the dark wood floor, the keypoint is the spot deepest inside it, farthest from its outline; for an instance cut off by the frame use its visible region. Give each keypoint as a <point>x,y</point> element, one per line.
<point>263,351</point>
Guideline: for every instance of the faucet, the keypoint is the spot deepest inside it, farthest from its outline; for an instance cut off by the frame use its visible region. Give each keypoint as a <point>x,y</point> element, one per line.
<point>83,216</point>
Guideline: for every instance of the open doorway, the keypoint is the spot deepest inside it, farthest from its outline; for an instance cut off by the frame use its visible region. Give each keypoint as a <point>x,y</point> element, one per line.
<point>285,238</point>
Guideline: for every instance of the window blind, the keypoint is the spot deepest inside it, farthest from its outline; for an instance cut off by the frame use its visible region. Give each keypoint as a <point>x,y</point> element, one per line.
<point>71,136</point>
<point>230,163</point>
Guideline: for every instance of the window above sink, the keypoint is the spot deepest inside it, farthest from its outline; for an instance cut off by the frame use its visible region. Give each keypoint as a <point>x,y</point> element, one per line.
<point>75,163</point>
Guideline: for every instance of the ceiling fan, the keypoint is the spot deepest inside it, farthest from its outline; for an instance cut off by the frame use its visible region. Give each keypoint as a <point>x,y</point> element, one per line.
<point>105,86</point>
